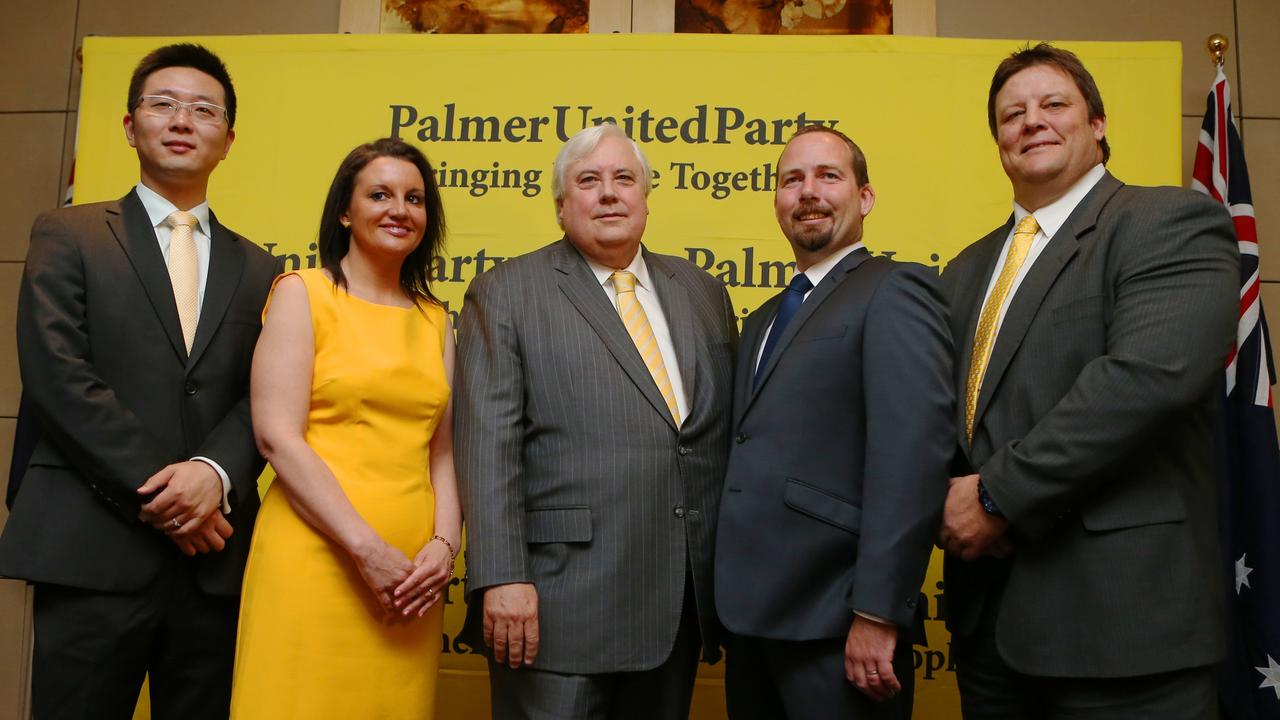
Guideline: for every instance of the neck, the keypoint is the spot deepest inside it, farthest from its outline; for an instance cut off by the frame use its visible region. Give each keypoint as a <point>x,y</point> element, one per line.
<point>375,279</point>
<point>183,195</point>
<point>1032,199</point>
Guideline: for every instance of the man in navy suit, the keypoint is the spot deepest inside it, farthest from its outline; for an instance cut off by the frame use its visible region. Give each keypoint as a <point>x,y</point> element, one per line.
<point>842,419</point>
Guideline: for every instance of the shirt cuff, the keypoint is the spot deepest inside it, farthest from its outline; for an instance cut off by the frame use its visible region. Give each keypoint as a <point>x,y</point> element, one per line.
<point>226,483</point>
<point>872,618</point>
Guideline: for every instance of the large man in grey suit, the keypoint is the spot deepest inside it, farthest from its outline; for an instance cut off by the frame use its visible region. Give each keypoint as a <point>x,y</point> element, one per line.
<point>592,432</point>
<point>136,325</point>
<point>1083,575</point>
<point>842,415</point>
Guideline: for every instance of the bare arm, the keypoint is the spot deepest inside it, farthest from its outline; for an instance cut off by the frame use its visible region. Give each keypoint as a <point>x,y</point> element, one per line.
<point>280,392</point>
<point>433,565</point>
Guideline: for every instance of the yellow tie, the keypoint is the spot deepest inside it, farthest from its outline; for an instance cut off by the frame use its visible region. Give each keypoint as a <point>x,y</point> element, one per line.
<point>183,273</point>
<point>985,336</point>
<point>642,335</point>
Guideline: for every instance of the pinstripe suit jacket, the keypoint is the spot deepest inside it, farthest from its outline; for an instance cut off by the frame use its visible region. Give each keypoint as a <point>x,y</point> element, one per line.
<point>1093,435</point>
<point>573,475</point>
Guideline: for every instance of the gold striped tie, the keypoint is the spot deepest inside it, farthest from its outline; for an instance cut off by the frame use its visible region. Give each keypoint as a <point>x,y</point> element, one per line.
<point>642,335</point>
<point>984,338</point>
<point>183,273</point>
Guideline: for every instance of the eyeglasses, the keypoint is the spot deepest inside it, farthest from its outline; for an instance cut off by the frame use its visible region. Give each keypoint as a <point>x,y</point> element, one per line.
<point>205,113</point>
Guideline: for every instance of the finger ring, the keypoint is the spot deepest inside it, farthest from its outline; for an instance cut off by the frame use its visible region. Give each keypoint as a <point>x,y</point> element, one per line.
<point>873,672</point>
<point>431,591</point>
<point>174,522</point>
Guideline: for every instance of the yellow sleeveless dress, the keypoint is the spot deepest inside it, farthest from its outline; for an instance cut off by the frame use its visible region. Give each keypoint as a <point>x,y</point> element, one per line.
<point>313,642</point>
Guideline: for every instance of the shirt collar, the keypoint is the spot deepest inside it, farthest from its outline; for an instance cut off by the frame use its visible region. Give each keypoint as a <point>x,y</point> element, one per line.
<point>159,209</point>
<point>818,271</point>
<point>636,267</point>
<point>1051,217</point>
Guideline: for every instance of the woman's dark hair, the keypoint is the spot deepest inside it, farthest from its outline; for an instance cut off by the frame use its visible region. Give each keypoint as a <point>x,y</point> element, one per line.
<point>335,240</point>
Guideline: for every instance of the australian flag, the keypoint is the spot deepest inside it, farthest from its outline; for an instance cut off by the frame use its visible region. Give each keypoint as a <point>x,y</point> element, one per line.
<point>1248,453</point>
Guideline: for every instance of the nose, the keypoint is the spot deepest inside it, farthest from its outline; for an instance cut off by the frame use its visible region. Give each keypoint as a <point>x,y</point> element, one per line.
<point>808,188</point>
<point>608,189</point>
<point>181,118</point>
<point>1033,118</point>
<point>398,208</point>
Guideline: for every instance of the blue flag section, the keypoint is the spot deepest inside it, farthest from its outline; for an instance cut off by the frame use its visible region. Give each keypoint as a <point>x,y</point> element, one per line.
<point>1248,453</point>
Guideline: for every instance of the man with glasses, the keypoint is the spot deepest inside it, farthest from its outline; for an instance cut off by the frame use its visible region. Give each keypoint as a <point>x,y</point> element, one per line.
<point>136,324</point>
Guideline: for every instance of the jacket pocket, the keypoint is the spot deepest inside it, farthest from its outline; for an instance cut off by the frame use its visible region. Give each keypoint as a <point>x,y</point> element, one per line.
<point>1152,509</point>
<point>822,505</point>
<point>558,524</point>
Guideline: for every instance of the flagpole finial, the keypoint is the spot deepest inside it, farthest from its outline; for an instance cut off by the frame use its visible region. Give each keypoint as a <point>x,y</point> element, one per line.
<point>1217,45</point>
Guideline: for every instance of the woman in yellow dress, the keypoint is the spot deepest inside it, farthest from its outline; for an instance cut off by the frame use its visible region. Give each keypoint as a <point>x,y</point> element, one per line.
<point>354,545</point>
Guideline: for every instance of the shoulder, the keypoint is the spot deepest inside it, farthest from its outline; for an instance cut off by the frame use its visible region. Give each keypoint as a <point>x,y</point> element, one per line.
<point>74,218</point>
<point>1163,201</point>
<point>516,271</point>
<point>909,279</point>
<point>685,271</point>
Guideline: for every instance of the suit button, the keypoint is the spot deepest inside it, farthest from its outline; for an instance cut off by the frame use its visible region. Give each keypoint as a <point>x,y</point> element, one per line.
<point>683,450</point>
<point>678,511</point>
<point>190,388</point>
<point>740,438</point>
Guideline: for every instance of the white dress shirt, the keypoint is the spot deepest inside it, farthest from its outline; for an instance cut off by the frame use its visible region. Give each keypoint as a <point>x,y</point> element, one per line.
<point>1050,218</point>
<point>158,211</point>
<point>648,299</point>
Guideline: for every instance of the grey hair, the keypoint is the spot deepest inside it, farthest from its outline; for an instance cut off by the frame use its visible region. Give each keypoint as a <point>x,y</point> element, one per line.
<point>582,144</point>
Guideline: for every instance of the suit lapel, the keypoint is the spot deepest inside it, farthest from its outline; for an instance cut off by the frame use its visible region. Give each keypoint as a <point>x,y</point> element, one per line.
<point>811,304</point>
<point>976,291</point>
<point>678,310</point>
<point>584,292</point>
<point>1026,301</point>
<point>133,230</point>
<point>226,263</point>
<point>748,351</point>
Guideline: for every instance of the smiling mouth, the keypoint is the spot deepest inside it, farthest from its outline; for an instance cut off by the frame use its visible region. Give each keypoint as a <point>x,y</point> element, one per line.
<point>1037,146</point>
<point>811,216</point>
<point>397,230</point>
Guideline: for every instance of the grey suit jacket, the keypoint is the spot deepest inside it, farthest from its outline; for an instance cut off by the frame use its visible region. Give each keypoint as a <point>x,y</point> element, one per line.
<point>572,472</point>
<point>118,397</point>
<point>1093,436</point>
<point>837,473</point>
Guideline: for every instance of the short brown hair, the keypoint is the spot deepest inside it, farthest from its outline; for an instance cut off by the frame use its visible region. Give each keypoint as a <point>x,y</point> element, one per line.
<point>1064,60</point>
<point>859,160</point>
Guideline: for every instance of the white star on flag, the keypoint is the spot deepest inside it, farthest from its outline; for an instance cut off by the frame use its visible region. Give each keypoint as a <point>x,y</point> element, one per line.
<point>1271,676</point>
<point>1242,574</point>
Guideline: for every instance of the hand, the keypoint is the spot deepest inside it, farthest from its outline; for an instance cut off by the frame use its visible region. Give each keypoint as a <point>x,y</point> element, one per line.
<point>187,491</point>
<point>868,658</point>
<point>424,587</point>
<point>208,535</point>
<point>968,530</point>
<point>383,568</point>
<point>511,623</point>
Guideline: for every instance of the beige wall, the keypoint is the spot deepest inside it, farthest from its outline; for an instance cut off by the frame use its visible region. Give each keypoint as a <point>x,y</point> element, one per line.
<point>39,88</point>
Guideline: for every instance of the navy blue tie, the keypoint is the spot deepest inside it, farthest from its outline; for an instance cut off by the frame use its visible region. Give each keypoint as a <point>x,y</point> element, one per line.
<point>792,297</point>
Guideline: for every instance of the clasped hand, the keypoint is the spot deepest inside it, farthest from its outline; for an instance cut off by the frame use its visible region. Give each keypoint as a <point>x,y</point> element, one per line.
<point>403,587</point>
<point>186,506</point>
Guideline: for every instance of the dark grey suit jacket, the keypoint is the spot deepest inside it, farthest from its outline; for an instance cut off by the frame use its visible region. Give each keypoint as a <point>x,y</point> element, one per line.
<point>838,470</point>
<point>105,368</point>
<point>572,472</point>
<point>1093,436</point>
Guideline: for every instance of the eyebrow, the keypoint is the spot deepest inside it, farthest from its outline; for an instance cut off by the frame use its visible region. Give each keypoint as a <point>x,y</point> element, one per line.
<point>174,94</point>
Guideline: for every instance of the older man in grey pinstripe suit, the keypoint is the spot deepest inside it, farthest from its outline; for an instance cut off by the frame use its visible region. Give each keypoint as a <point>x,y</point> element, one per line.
<point>592,434</point>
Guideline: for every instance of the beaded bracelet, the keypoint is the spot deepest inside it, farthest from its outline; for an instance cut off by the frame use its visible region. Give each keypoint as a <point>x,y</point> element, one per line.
<point>453,555</point>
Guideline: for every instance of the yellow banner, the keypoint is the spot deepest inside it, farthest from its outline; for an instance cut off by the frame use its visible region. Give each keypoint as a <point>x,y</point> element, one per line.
<point>712,114</point>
